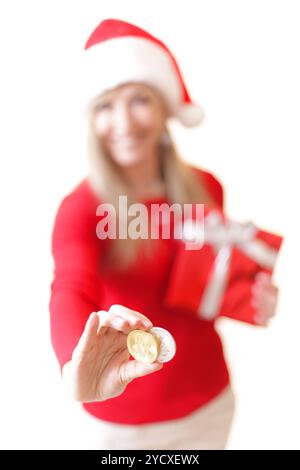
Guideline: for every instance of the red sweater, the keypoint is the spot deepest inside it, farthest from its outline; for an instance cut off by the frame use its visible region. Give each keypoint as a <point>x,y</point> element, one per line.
<point>198,371</point>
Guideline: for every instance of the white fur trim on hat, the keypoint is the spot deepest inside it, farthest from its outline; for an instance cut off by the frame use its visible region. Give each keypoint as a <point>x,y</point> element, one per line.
<point>190,114</point>
<point>135,59</point>
<point>129,59</point>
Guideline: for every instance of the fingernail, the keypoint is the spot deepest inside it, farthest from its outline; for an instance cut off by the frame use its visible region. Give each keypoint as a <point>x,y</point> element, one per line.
<point>159,365</point>
<point>262,276</point>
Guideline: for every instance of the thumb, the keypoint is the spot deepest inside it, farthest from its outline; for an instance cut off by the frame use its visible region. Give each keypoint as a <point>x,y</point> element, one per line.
<point>133,369</point>
<point>88,336</point>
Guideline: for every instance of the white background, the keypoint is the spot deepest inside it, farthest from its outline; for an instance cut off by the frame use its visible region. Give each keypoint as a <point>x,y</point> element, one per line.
<point>240,60</point>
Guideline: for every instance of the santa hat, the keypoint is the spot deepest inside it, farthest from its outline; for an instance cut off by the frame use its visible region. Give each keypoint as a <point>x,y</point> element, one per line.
<point>119,52</point>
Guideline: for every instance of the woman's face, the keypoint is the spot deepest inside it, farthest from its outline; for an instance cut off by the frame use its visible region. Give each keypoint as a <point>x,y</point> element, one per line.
<point>129,120</point>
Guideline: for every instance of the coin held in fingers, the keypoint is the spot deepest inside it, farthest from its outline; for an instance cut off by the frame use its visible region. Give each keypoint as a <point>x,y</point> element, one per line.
<point>167,345</point>
<point>142,346</point>
<point>147,347</point>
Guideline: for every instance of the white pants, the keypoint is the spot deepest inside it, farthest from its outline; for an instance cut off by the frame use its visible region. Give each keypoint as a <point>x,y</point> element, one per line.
<point>205,429</point>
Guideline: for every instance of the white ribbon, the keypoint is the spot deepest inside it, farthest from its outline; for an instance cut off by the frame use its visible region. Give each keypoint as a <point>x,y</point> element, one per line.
<point>222,236</point>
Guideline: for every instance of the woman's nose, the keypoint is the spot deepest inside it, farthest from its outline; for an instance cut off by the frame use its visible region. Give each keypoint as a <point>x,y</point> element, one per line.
<point>122,121</point>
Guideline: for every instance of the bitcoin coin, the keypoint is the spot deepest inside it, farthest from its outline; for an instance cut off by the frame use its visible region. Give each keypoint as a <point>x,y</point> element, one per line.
<point>143,346</point>
<point>166,343</point>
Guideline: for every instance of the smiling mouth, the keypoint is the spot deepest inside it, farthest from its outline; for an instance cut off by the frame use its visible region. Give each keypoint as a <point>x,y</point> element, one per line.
<point>126,142</point>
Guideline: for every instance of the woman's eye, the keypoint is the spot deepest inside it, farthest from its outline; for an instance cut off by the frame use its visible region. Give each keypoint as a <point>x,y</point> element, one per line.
<point>142,99</point>
<point>102,106</point>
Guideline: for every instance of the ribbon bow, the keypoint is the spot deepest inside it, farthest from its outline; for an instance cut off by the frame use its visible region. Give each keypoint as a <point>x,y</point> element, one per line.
<point>222,236</point>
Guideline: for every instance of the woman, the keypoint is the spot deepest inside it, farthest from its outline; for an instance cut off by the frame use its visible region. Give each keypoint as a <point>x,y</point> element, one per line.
<point>103,288</point>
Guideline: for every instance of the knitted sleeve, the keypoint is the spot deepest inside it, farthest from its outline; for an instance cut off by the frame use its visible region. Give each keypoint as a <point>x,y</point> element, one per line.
<point>74,288</point>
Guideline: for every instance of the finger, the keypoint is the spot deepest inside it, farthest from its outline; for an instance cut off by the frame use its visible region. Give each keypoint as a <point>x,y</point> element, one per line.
<point>128,313</point>
<point>110,320</point>
<point>133,369</point>
<point>262,287</point>
<point>266,303</point>
<point>264,314</point>
<point>263,277</point>
<point>265,292</point>
<point>264,311</point>
<point>261,291</point>
<point>261,321</point>
<point>259,287</point>
<point>131,315</point>
<point>88,336</point>
<point>274,290</point>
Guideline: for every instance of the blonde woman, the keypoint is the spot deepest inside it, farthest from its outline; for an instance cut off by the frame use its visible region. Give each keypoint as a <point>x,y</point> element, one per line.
<point>103,288</point>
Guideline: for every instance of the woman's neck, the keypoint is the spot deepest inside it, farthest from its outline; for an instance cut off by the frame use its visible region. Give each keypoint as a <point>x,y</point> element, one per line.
<point>145,179</point>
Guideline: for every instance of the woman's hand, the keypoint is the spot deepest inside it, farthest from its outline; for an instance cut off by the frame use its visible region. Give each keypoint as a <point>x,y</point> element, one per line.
<point>100,367</point>
<point>264,298</point>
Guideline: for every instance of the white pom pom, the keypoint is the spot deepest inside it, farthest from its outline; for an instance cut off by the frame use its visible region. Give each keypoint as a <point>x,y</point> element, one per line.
<point>190,115</point>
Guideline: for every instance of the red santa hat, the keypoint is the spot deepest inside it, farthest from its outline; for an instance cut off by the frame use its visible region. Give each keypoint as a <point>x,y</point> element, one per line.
<point>119,52</point>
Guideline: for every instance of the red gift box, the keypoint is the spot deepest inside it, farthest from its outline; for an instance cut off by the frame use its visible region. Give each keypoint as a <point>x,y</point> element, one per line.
<point>216,279</point>
<point>236,303</point>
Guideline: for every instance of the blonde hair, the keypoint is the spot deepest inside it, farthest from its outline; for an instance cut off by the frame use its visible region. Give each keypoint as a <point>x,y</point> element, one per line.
<point>182,185</point>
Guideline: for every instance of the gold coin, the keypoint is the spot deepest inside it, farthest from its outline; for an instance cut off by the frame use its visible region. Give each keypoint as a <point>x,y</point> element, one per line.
<point>142,346</point>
